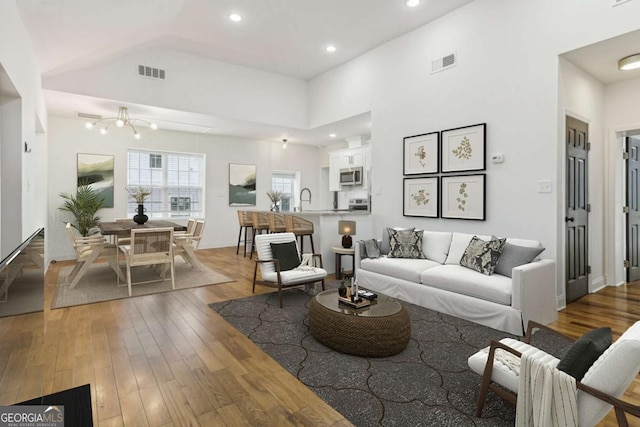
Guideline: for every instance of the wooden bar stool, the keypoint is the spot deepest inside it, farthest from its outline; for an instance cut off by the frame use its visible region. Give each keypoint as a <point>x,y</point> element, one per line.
<point>276,222</point>
<point>300,227</point>
<point>260,224</point>
<point>246,222</point>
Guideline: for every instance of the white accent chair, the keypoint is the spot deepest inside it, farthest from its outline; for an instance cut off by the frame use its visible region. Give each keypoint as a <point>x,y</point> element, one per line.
<point>270,267</point>
<point>150,247</point>
<point>599,390</point>
<point>89,250</point>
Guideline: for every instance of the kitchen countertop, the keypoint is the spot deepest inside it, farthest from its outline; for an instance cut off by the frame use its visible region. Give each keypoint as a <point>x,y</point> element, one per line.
<point>329,212</point>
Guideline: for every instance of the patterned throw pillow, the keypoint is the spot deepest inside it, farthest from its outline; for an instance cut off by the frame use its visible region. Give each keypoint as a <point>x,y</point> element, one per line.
<point>405,244</point>
<point>482,256</point>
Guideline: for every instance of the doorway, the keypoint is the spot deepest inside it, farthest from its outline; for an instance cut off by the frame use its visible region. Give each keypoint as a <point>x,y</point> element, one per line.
<point>577,209</point>
<point>632,207</point>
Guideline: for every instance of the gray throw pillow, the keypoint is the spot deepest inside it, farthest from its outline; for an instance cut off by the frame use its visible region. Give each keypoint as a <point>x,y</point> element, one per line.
<point>286,254</point>
<point>384,243</point>
<point>482,256</point>
<point>513,256</point>
<point>362,248</point>
<point>405,244</point>
<point>584,352</point>
<point>371,247</point>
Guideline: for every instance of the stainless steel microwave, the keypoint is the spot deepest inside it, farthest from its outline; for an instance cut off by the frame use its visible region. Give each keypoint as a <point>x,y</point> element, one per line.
<point>351,176</point>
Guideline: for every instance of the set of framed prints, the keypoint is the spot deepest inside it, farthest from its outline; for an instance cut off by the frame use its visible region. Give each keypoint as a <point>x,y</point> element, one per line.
<point>452,156</point>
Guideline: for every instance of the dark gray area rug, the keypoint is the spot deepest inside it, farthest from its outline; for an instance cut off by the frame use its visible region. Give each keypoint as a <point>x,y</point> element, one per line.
<point>427,384</point>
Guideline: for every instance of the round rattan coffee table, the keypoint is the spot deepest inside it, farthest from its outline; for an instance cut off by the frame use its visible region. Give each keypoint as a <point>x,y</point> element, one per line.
<point>382,329</point>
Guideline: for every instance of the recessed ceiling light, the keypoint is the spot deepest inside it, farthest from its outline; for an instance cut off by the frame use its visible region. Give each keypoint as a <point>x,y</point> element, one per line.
<point>332,135</point>
<point>330,48</point>
<point>629,63</point>
<point>235,17</point>
<point>412,3</point>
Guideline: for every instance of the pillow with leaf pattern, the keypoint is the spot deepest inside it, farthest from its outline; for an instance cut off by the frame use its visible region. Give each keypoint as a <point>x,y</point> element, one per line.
<point>405,244</point>
<point>482,256</point>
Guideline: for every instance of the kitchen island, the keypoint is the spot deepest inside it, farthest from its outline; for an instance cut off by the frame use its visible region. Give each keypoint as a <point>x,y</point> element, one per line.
<point>325,232</point>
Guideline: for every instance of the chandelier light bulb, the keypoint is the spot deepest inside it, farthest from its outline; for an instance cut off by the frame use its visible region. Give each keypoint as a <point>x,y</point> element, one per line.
<point>412,3</point>
<point>103,131</point>
<point>284,143</point>
<point>331,48</point>
<point>120,123</point>
<point>88,125</point>
<point>153,126</point>
<point>121,120</point>
<point>235,17</point>
<point>136,135</point>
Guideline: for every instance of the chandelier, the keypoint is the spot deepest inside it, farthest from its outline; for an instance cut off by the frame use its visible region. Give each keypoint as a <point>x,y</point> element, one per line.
<point>120,121</point>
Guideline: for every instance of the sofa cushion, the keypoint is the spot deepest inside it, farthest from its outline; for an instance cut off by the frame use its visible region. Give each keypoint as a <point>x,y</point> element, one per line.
<point>435,245</point>
<point>482,256</point>
<point>368,248</point>
<point>462,280</point>
<point>401,268</point>
<point>405,244</point>
<point>384,243</point>
<point>514,256</point>
<point>525,242</point>
<point>459,243</point>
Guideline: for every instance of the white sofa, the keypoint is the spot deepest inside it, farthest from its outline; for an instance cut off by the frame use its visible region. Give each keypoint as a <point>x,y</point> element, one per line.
<point>440,283</point>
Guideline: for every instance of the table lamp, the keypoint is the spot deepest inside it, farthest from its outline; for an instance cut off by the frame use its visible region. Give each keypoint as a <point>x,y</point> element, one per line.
<point>346,229</point>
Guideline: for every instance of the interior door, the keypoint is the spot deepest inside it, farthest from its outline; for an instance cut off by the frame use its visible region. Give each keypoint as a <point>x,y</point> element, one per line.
<point>577,211</point>
<point>633,208</point>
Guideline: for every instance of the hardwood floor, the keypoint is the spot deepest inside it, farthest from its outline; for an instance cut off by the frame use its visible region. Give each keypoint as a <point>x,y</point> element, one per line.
<point>167,359</point>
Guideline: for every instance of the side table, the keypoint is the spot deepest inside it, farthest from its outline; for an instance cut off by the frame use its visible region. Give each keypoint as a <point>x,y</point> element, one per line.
<point>340,251</point>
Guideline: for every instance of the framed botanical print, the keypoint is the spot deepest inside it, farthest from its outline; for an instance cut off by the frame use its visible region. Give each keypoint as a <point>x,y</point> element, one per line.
<point>463,149</point>
<point>463,197</point>
<point>421,154</point>
<point>96,171</point>
<point>421,197</point>
<point>242,185</point>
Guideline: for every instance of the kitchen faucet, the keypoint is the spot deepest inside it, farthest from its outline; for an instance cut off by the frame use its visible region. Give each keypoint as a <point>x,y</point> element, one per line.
<point>304,200</point>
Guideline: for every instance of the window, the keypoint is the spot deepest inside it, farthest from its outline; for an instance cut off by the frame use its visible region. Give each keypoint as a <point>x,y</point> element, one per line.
<point>176,181</point>
<point>285,183</point>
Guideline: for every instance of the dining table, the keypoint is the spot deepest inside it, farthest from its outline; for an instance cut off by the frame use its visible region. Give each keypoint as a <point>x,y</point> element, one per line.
<point>123,228</point>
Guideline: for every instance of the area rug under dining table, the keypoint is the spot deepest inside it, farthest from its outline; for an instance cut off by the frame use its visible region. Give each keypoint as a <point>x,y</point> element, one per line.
<point>427,384</point>
<point>99,283</point>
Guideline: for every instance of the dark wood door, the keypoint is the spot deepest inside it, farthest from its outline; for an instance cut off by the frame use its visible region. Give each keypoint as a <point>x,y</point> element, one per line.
<point>633,208</point>
<point>576,219</point>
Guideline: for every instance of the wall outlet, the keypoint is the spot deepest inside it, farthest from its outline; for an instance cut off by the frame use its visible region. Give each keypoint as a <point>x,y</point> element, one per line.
<point>544,186</point>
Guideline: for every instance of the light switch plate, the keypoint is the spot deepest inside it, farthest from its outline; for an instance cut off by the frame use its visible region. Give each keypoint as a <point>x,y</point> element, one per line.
<point>544,186</point>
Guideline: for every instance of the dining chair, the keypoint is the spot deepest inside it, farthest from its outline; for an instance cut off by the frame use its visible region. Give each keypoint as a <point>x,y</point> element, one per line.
<point>191,223</point>
<point>149,247</point>
<point>245,219</point>
<point>276,222</point>
<point>122,240</point>
<point>300,227</point>
<point>186,245</point>
<point>260,224</point>
<point>89,250</point>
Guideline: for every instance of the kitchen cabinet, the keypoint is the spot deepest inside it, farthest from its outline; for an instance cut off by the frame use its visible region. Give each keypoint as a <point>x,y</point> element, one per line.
<point>349,158</point>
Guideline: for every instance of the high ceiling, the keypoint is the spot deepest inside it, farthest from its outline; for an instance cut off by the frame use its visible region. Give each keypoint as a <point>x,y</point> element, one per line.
<point>287,37</point>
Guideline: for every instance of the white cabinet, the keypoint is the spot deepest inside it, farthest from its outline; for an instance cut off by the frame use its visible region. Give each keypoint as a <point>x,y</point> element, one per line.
<point>349,158</point>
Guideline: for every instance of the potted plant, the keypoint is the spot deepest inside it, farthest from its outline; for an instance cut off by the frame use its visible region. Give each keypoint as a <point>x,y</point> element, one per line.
<point>83,206</point>
<point>139,194</point>
<point>275,197</point>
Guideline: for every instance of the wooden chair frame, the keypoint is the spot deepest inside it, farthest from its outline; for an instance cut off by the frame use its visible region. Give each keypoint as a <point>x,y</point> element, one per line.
<point>621,407</point>
<point>279,283</point>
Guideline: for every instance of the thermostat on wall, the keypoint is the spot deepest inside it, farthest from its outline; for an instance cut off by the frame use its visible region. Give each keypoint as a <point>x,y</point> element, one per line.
<point>497,158</point>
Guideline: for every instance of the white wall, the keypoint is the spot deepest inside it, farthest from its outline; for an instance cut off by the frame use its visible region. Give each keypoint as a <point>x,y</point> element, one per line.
<point>18,59</point>
<point>193,84</point>
<point>67,137</point>
<point>507,77</point>
<point>11,189</point>
<point>582,97</point>
<point>622,113</point>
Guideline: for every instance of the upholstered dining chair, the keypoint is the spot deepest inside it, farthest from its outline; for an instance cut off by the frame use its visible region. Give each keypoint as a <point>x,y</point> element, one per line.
<point>598,390</point>
<point>300,227</point>
<point>245,219</point>
<point>150,247</point>
<point>279,259</point>
<point>89,250</point>
<point>186,245</point>
<point>260,225</point>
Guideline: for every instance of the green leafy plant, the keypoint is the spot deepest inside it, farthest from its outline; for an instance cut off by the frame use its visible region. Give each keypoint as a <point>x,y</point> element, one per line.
<point>83,205</point>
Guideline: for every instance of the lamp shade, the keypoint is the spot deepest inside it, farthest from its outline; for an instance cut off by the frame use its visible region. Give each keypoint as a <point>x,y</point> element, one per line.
<point>347,228</point>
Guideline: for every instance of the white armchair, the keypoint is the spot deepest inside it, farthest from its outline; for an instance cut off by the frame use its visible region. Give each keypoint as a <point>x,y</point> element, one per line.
<point>275,277</point>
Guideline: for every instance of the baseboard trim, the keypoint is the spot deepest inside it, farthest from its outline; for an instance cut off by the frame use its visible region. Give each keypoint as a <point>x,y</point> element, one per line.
<point>561,302</point>
<point>597,284</point>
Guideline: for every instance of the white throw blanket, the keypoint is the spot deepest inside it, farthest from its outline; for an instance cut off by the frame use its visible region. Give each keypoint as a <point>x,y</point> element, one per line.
<point>547,397</point>
<point>307,264</point>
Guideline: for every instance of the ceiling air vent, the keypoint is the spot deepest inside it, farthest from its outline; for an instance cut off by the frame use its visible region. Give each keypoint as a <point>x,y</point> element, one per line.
<point>153,73</point>
<point>443,63</point>
<point>618,2</point>
<point>88,116</point>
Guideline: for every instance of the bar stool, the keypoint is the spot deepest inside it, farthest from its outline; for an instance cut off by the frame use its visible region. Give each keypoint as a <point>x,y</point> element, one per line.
<point>300,227</point>
<point>246,222</point>
<point>276,222</point>
<point>260,224</point>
